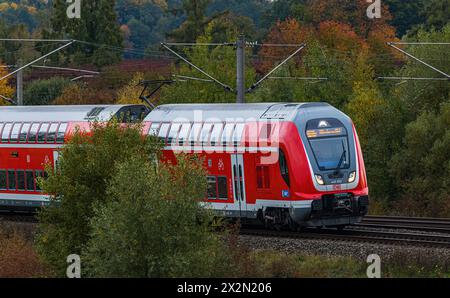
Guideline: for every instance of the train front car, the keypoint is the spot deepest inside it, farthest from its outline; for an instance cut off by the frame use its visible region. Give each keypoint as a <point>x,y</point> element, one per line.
<point>283,164</point>
<point>328,167</point>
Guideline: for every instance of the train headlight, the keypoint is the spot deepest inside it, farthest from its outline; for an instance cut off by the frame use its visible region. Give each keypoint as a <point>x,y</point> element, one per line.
<point>352,177</point>
<point>319,179</point>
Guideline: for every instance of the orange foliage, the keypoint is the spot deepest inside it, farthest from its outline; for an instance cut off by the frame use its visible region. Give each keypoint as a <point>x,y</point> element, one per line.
<point>287,32</point>
<point>80,95</point>
<point>352,12</point>
<point>339,37</point>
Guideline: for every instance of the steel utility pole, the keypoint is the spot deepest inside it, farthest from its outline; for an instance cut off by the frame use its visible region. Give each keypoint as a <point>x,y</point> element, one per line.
<point>19,84</point>
<point>240,82</point>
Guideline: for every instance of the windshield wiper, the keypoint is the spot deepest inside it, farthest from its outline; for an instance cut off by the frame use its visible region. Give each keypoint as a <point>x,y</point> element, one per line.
<point>343,157</point>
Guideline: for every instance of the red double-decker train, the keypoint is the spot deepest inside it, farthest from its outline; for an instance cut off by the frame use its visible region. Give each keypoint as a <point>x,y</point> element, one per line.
<point>296,164</point>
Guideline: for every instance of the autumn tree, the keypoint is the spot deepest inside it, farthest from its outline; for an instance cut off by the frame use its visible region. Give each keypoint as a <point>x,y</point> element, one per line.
<point>6,89</point>
<point>129,94</point>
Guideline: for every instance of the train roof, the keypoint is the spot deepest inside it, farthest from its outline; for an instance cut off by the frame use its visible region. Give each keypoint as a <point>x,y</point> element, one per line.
<point>75,113</point>
<point>234,112</point>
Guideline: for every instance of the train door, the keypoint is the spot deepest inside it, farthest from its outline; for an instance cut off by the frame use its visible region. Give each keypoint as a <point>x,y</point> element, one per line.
<point>237,162</point>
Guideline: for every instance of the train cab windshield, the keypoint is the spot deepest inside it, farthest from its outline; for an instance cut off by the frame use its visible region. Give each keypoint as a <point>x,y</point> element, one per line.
<point>329,143</point>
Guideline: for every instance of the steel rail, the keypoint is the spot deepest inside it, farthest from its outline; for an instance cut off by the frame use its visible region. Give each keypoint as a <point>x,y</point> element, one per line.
<point>390,238</point>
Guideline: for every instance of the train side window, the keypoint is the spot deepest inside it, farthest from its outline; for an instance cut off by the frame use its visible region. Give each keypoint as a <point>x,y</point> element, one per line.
<point>61,133</point>
<point>12,180</point>
<point>24,132</point>
<point>212,187</point>
<point>51,135</point>
<point>206,132</point>
<point>222,187</point>
<point>195,132</point>
<point>216,134</point>
<point>43,132</point>
<point>154,129</point>
<point>3,180</point>
<point>227,133</point>
<point>33,133</point>
<point>184,133</point>
<point>173,133</point>
<point>1,127</point>
<point>15,132</point>
<point>20,179</point>
<point>30,180</point>
<point>163,132</point>
<point>238,133</point>
<point>284,167</point>
<point>6,132</point>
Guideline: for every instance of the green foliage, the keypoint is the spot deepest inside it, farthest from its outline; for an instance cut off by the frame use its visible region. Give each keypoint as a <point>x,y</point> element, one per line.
<point>79,185</point>
<point>97,25</point>
<point>406,14</point>
<point>418,96</point>
<point>153,225</point>
<point>195,22</point>
<point>215,61</point>
<point>437,13</point>
<point>422,167</point>
<point>44,92</point>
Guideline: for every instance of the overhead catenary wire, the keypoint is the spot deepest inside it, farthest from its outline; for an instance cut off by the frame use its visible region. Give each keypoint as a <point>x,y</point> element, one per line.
<point>225,86</point>
<point>37,60</point>
<point>419,60</point>
<point>255,85</point>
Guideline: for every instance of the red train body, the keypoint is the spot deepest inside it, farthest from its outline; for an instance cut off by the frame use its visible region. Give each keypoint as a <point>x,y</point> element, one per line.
<point>284,164</point>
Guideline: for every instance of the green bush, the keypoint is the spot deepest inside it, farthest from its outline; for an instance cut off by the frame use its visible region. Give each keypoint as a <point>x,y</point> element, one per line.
<point>80,184</point>
<point>44,92</point>
<point>153,225</point>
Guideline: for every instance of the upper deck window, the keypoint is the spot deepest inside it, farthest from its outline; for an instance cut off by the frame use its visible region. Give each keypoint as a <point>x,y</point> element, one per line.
<point>154,129</point>
<point>184,133</point>
<point>195,132</point>
<point>51,135</point>
<point>206,132</point>
<point>227,133</point>
<point>61,133</point>
<point>163,131</point>
<point>216,134</point>
<point>43,132</point>
<point>24,132</point>
<point>15,132</point>
<point>238,133</point>
<point>6,132</point>
<point>33,133</point>
<point>175,128</point>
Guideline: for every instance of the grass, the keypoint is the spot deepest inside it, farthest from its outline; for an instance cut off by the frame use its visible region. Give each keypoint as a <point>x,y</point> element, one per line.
<point>18,258</point>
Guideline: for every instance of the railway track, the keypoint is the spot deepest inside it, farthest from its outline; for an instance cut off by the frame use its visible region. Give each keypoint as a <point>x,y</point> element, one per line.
<point>437,225</point>
<point>377,229</point>
<point>353,235</point>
